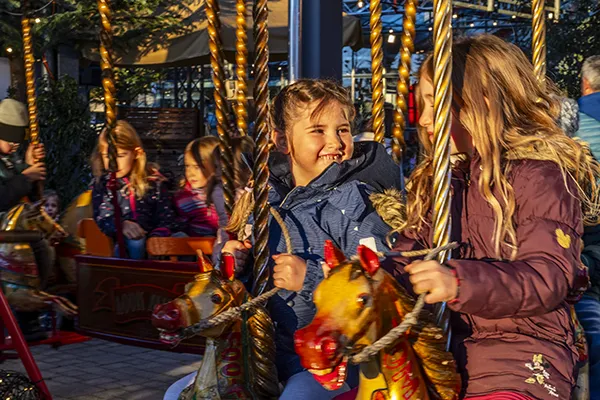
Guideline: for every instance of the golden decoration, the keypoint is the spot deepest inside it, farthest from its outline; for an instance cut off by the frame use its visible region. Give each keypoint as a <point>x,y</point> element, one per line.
<point>442,59</point>
<point>220,97</point>
<point>539,40</point>
<point>30,76</point>
<point>377,70</point>
<point>563,240</point>
<point>241,58</point>
<point>403,85</point>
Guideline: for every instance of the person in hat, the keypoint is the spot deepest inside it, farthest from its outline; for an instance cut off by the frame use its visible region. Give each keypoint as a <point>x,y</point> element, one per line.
<point>17,179</point>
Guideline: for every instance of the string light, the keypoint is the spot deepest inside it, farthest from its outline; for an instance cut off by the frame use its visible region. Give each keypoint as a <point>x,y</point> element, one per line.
<point>455,16</point>
<point>472,25</point>
<point>360,4</point>
<point>9,49</point>
<point>514,17</point>
<point>495,23</point>
<point>37,20</point>
<point>391,38</point>
<point>430,29</point>
<point>550,15</point>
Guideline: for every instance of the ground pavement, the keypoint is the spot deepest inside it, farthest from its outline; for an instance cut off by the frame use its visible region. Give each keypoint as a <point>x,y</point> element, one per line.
<point>98,369</point>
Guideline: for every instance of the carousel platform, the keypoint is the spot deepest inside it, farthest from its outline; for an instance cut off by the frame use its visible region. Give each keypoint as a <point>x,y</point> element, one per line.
<point>97,369</point>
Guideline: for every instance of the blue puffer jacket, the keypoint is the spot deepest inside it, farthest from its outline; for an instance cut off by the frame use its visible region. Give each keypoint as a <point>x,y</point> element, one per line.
<point>589,122</point>
<point>334,206</point>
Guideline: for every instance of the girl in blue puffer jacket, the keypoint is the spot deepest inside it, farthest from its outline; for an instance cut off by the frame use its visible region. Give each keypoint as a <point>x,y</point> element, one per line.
<point>320,182</point>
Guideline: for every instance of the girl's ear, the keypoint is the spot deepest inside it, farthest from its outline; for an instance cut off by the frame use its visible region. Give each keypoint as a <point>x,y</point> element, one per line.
<point>281,144</point>
<point>138,152</point>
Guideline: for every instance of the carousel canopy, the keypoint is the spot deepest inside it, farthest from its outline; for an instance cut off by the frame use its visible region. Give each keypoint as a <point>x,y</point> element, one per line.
<point>191,48</point>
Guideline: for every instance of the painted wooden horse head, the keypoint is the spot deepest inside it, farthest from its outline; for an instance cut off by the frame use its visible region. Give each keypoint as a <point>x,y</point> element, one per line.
<point>357,304</point>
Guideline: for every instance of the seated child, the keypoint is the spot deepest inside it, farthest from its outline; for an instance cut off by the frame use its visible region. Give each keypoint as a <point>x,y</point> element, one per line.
<point>519,186</point>
<point>51,204</point>
<point>320,182</point>
<point>17,179</point>
<point>145,202</point>
<point>199,204</point>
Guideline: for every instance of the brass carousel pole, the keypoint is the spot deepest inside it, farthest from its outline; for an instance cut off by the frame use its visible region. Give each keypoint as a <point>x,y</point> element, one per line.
<point>220,97</point>
<point>377,70</point>
<point>241,110</point>
<point>539,40</point>
<point>110,104</point>
<point>261,151</point>
<point>442,59</point>
<point>29,60</point>
<point>403,86</point>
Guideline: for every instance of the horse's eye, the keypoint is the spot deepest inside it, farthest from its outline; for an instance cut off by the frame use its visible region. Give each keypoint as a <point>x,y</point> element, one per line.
<point>363,300</point>
<point>216,298</point>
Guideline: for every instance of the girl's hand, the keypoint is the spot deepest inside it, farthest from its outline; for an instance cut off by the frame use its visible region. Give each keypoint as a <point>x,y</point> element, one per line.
<point>132,230</point>
<point>240,251</point>
<point>37,172</point>
<point>289,272</point>
<point>35,154</point>
<point>433,278</point>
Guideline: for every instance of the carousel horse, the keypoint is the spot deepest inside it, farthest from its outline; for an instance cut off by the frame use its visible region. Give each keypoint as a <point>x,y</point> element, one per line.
<point>19,273</point>
<point>357,304</point>
<point>239,359</point>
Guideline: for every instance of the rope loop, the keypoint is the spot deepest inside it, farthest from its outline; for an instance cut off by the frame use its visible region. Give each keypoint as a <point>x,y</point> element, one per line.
<point>409,320</point>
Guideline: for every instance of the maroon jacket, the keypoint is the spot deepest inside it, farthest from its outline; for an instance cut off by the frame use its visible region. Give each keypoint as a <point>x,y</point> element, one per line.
<point>511,325</point>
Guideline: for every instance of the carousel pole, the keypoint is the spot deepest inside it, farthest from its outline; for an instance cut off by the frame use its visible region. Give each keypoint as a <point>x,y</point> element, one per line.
<point>539,40</point>
<point>377,70</point>
<point>241,110</point>
<point>34,130</point>
<point>220,96</point>
<point>442,59</point>
<point>403,85</point>
<point>295,23</point>
<point>261,150</point>
<point>110,104</point>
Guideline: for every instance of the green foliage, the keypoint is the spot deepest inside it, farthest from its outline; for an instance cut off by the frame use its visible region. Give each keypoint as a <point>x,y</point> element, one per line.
<point>67,134</point>
<point>572,40</point>
<point>77,22</point>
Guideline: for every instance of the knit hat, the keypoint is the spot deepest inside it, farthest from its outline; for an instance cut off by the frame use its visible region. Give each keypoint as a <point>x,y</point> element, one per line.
<point>13,121</point>
<point>568,119</point>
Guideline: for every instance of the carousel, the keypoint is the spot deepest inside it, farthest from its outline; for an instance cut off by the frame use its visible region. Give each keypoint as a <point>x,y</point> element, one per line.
<point>168,304</point>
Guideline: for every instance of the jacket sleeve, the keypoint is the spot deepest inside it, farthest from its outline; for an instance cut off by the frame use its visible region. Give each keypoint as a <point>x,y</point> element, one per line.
<point>104,213</point>
<point>13,190</point>
<point>549,229</point>
<point>218,200</point>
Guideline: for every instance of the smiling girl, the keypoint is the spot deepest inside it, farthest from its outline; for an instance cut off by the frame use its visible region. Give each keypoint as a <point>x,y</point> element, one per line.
<point>144,201</point>
<point>319,182</point>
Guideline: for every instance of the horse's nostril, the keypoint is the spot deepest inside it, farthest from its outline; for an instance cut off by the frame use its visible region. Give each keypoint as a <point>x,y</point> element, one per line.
<point>173,314</point>
<point>329,346</point>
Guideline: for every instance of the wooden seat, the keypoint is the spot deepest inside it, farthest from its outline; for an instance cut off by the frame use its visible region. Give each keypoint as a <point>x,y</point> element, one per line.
<point>173,247</point>
<point>96,242</point>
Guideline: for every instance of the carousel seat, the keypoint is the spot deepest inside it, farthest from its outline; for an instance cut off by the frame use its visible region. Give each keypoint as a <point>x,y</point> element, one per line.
<point>174,247</point>
<point>96,242</point>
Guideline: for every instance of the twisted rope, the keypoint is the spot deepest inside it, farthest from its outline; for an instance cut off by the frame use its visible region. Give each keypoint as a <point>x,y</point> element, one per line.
<point>261,151</point>
<point>220,97</point>
<point>377,68</point>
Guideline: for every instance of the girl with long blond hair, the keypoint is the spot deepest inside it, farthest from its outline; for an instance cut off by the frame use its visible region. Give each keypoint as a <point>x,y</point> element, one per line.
<point>521,193</point>
<point>145,203</point>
